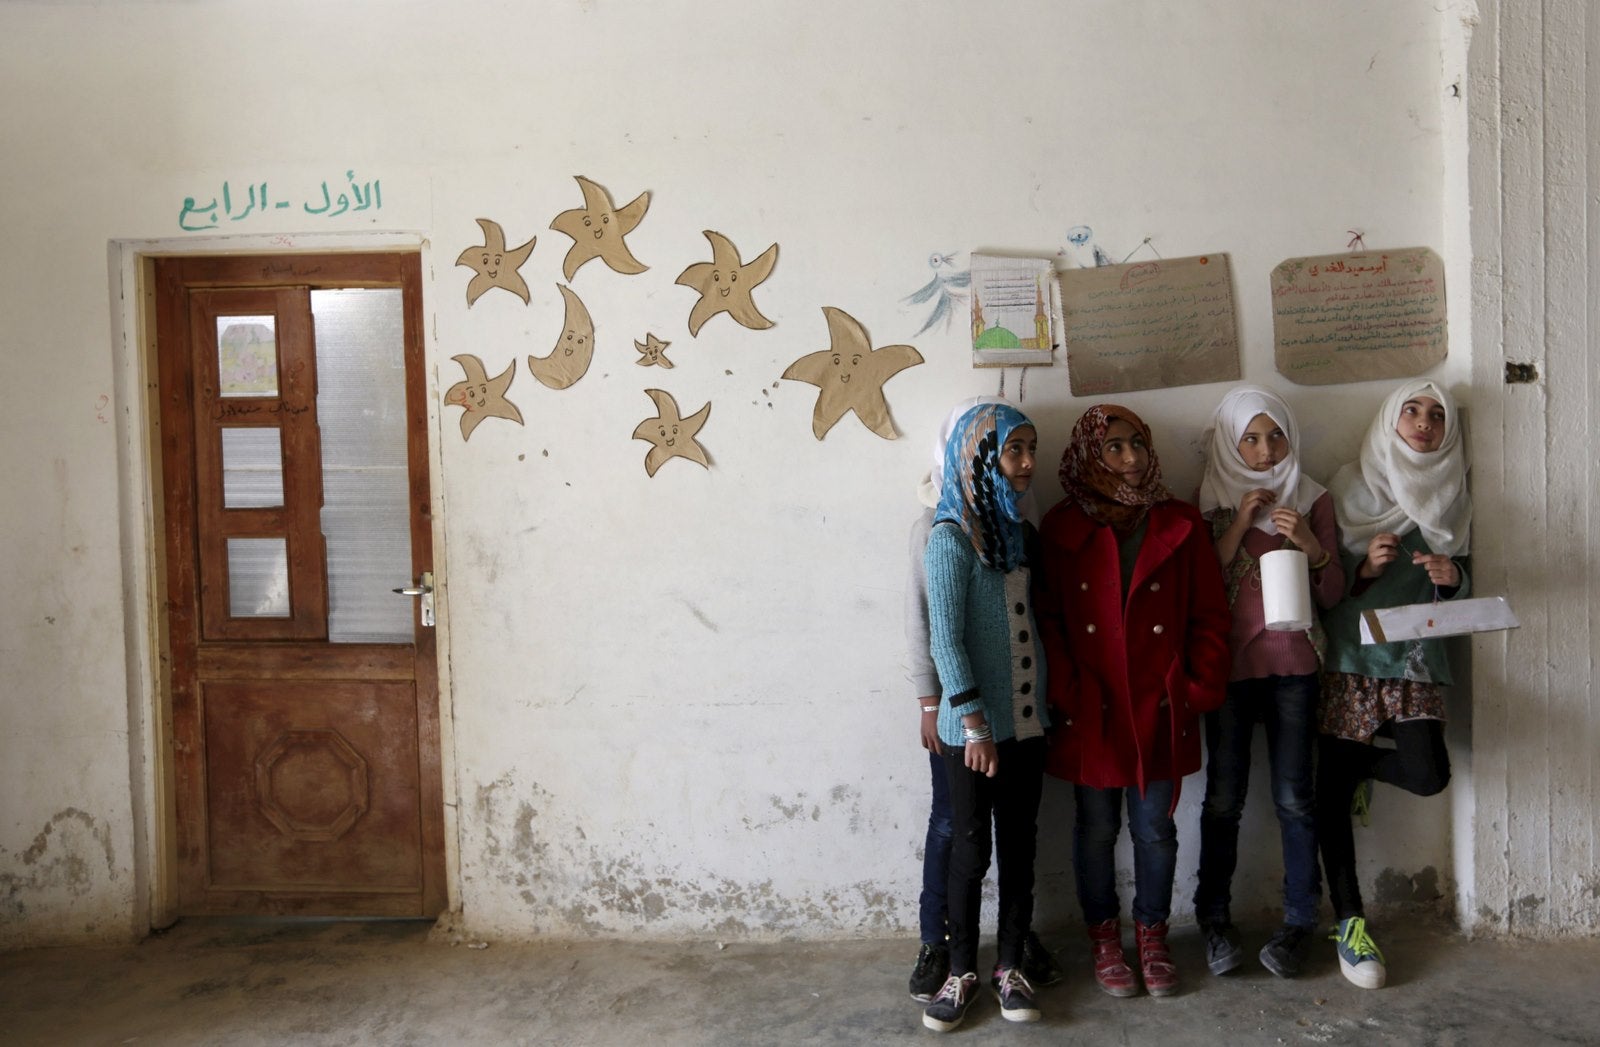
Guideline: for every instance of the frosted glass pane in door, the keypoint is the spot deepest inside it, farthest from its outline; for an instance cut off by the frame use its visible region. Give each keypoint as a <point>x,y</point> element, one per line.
<point>247,355</point>
<point>252,467</point>
<point>258,578</point>
<point>366,507</point>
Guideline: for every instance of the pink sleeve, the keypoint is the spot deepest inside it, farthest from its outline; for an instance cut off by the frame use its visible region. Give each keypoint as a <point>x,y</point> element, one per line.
<point>1327,584</point>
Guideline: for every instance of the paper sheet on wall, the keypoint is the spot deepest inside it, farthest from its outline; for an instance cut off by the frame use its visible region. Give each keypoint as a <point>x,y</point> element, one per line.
<point>1016,311</point>
<point>1358,317</point>
<point>1419,621</point>
<point>1150,325</point>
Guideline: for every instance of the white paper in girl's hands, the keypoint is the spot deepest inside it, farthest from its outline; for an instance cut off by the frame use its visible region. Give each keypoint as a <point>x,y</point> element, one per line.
<point>1285,590</point>
<point>1417,621</point>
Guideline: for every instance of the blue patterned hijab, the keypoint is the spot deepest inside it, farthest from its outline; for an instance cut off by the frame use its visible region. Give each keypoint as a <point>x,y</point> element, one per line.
<point>974,494</point>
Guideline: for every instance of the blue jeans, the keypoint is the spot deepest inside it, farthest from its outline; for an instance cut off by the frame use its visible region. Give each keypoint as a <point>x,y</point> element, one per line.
<point>936,857</point>
<point>1155,851</point>
<point>1286,707</point>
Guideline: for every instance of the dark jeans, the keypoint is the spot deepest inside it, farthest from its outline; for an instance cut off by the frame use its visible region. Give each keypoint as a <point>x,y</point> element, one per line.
<point>1286,707</point>
<point>1155,851</point>
<point>1418,764</point>
<point>936,857</point>
<point>1011,799</point>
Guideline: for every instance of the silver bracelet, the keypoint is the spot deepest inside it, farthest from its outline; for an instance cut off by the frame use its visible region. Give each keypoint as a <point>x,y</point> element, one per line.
<point>978,734</point>
<point>930,708</point>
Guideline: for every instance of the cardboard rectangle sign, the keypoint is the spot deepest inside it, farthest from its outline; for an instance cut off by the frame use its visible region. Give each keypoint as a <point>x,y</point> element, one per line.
<point>1150,325</point>
<point>1358,317</point>
<point>1419,621</point>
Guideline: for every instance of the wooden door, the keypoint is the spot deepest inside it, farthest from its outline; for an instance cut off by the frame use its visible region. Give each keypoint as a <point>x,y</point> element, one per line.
<point>304,697</point>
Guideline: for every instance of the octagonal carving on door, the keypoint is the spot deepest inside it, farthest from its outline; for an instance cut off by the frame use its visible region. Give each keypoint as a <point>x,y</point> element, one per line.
<point>311,784</point>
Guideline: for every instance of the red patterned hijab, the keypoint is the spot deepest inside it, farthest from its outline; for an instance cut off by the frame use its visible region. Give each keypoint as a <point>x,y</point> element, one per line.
<point>1092,486</point>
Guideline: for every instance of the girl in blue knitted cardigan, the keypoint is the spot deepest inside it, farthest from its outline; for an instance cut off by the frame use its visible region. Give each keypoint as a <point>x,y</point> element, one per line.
<point>991,716</point>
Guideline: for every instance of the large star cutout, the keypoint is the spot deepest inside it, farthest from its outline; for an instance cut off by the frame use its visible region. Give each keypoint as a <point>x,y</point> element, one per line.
<point>482,396</point>
<point>671,435</point>
<point>495,265</point>
<point>725,284</point>
<point>652,352</point>
<point>597,229</point>
<point>851,374</point>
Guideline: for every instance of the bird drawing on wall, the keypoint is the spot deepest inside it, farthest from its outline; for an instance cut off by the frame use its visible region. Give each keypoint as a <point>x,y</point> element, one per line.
<point>1083,250</point>
<point>944,290</point>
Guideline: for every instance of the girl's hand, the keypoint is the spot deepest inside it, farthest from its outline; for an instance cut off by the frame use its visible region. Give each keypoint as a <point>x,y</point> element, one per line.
<point>930,725</point>
<point>1381,551</point>
<point>1298,528</point>
<point>1253,502</point>
<point>983,758</point>
<point>1442,571</point>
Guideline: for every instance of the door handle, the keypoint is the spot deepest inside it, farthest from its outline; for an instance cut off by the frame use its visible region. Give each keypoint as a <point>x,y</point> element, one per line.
<point>424,589</point>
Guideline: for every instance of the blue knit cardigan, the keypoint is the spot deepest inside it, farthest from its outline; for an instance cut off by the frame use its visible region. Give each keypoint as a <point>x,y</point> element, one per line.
<point>983,639</point>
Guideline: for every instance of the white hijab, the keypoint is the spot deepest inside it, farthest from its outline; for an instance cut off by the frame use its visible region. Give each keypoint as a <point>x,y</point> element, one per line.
<point>1228,479</point>
<point>1397,489</point>
<point>928,488</point>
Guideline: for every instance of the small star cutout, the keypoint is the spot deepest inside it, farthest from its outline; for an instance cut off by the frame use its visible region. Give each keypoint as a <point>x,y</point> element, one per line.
<point>670,434</point>
<point>482,396</point>
<point>597,229</point>
<point>653,352</point>
<point>494,265</point>
<point>725,284</point>
<point>851,374</point>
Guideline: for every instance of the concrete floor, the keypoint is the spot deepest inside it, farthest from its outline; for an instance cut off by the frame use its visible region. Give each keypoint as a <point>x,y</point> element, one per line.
<point>246,982</point>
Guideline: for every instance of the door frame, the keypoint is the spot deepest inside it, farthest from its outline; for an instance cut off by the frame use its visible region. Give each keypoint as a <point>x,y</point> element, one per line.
<point>134,412</point>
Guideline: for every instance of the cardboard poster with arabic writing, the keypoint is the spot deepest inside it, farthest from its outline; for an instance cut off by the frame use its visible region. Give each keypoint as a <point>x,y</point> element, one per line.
<point>1150,325</point>
<point>1358,317</point>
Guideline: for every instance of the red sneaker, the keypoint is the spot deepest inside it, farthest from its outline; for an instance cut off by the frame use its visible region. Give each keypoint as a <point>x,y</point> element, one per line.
<point>1160,975</point>
<point>1111,968</point>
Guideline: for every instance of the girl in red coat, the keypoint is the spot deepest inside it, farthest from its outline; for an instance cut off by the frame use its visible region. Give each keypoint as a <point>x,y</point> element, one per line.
<point>1135,621</point>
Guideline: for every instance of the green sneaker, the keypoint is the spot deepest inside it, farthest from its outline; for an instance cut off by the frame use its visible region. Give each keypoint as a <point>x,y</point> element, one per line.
<point>1359,958</point>
<point>1361,802</point>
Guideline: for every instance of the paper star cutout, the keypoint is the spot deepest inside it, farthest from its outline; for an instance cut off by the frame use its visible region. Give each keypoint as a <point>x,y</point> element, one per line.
<point>653,352</point>
<point>482,396</point>
<point>597,229</point>
<point>725,284</point>
<point>851,375</point>
<point>670,434</point>
<point>494,265</point>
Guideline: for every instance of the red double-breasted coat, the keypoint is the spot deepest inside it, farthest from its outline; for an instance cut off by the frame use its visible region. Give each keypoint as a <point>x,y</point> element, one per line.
<point>1128,682</point>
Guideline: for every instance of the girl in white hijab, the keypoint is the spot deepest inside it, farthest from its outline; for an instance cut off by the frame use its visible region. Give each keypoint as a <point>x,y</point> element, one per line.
<point>1406,518</point>
<point>1258,501</point>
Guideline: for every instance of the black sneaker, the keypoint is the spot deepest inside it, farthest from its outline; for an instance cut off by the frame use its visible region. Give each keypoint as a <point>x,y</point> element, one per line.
<point>1015,995</point>
<point>1223,953</point>
<point>950,1006</point>
<point>1285,951</point>
<point>1038,965</point>
<point>933,964</point>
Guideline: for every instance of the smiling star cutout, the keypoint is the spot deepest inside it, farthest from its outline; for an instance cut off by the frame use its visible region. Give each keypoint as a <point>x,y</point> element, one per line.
<point>851,375</point>
<point>725,284</point>
<point>482,396</point>
<point>597,229</point>
<point>495,265</point>
<point>671,435</point>
<point>652,352</point>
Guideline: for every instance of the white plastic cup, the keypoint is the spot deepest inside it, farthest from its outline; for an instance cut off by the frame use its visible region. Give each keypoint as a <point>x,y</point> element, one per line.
<point>1286,590</point>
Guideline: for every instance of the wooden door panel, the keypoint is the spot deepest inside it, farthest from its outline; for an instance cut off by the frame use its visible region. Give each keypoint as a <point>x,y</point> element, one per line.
<point>306,772</point>
<point>312,784</point>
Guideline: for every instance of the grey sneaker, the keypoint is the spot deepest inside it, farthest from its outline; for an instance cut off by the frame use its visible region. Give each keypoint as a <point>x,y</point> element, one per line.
<point>1223,952</point>
<point>1011,988</point>
<point>950,1006</point>
<point>1285,951</point>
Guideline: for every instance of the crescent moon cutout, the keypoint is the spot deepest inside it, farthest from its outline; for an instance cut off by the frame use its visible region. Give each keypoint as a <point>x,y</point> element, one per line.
<point>569,360</point>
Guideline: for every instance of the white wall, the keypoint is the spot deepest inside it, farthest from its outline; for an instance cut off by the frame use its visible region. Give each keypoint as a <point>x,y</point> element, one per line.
<point>1535,176</point>
<point>677,703</point>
